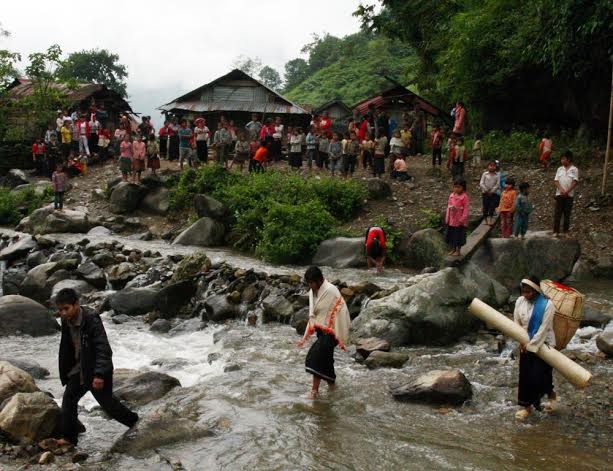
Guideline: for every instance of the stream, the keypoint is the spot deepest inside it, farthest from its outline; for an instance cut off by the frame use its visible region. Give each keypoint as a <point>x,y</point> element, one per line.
<point>268,424</point>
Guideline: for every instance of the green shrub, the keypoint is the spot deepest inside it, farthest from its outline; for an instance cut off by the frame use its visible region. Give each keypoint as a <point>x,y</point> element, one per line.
<point>342,198</point>
<point>434,219</point>
<point>14,205</point>
<point>205,179</point>
<point>292,233</point>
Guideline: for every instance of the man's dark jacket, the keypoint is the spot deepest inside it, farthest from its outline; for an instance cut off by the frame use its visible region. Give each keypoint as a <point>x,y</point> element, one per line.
<point>96,353</point>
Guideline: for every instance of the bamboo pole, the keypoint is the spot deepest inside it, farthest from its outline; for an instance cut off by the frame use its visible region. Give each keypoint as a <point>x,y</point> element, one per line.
<point>574,373</point>
<point>603,190</point>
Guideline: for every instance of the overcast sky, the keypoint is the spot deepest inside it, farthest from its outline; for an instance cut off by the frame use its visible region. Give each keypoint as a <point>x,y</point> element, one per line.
<point>171,47</point>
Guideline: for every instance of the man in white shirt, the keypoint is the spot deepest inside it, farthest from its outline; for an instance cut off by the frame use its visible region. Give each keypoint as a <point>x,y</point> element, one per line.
<point>566,179</point>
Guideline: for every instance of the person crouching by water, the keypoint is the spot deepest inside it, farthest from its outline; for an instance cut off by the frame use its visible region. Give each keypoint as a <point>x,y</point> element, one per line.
<point>375,248</point>
<point>85,364</point>
<point>535,313</point>
<point>329,318</point>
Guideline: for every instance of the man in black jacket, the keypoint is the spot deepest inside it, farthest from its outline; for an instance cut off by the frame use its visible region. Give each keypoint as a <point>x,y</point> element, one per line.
<point>85,363</point>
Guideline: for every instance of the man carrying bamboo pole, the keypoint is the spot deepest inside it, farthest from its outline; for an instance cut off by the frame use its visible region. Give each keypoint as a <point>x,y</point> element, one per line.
<point>534,313</point>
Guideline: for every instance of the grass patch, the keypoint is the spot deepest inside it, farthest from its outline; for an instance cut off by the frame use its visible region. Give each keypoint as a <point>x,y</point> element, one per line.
<point>15,205</point>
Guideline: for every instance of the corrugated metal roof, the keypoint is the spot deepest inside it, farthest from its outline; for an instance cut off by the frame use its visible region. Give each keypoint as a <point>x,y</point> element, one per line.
<point>249,106</point>
<point>185,103</point>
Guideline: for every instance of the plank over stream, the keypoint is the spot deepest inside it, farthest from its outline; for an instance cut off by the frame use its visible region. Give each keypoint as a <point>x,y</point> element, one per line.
<point>473,241</point>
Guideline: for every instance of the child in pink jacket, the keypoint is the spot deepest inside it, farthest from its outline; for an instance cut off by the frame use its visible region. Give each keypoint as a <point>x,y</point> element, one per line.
<point>456,217</point>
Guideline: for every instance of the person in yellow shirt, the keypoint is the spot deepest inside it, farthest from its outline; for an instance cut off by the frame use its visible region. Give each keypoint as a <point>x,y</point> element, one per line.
<point>66,136</point>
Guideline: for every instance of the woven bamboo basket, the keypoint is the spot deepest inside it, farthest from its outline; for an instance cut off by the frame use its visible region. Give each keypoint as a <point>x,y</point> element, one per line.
<point>569,310</point>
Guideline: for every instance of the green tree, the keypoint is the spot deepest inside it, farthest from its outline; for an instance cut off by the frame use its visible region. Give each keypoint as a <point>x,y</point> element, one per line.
<point>296,71</point>
<point>95,65</point>
<point>270,77</point>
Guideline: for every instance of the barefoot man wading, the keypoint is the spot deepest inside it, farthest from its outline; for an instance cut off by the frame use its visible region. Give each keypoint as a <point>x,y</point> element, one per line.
<point>85,363</point>
<point>329,318</point>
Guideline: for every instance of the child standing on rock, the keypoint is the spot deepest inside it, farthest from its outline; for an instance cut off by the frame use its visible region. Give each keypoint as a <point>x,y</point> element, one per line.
<point>523,208</point>
<point>59,180</point>
<point>125,159</point>
<point>506,208</point>
<point>456,217</point>
<point>489,184</point>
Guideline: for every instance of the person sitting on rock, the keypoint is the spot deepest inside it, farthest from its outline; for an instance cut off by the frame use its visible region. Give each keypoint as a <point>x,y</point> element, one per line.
<point>534,313</point>
<point>85,364</point>
<point>375,248</point>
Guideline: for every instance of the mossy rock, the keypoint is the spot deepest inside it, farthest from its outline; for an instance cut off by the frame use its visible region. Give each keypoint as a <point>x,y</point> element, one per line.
<point>191,266</point>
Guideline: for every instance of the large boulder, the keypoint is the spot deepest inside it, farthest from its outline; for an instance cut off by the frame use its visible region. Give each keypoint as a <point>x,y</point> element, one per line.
<point>277,308</point>
<point>191,266</point>
<point>14,178</point>
<point>172,298</point>
<point>604,267</point>
<point>14,380</point>
<point>18,249</point>
<point>36,258</point>
<point>39,188</point>
<point>119,275</point>
<point>79,286</point>
<point>432,310</point>
<point>21,315</point>
<point>139,388</point>
<point>604,342</point>
<point>99,231</point>
<point>510,260</point>
<point>30,417</point>
<point>379,359</point>
<point>157,201</point>
<point>300,320</point>
<point>12,279</point>
<point>207,206</point>
<point>378,189</point>
<point>341,252</point>
<point>91,273</point>
<point>30,367</point>
<point>46,220</point>
<point>436,387</point>
<point>36,284</point>
<point>132,301</point>
<point>370,345</point>
<point>205,232</point>
<point>425,248</point>
<point>217,308</point>
<point>126,197</point>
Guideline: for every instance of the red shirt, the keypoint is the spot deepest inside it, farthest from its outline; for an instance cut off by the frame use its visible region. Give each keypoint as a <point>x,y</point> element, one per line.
<point>38,149</point>
<point>363,130</point>
<point>261,155</point>
<point>372,232</point>
<point>325,124</point>
<point>163,132</point>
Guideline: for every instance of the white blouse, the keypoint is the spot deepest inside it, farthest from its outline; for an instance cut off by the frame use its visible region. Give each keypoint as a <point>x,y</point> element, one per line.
<point>545,334</point>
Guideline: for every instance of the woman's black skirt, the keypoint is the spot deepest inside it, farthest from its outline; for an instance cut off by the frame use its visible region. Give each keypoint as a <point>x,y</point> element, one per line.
<point>163,145</point>
<point>275,150</point>
<point>202,151</point>
<point>455,236</point>
<point>535,380</point>
<point>320,358</point>
<point>378,166</point>
<point>173,148</point>
<point>295,160</point>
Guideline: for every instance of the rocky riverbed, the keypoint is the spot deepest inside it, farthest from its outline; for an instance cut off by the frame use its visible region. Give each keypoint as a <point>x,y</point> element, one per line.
<point>206,341</point>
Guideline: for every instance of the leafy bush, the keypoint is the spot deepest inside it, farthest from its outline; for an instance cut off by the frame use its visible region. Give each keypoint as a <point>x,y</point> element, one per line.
<point>434,219</point>
<point>205,179</point>
<point>292,233</point>
<point>14,205</point>
<point>342,198</point>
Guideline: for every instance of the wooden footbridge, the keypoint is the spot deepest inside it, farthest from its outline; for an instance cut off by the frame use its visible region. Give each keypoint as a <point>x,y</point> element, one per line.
<point>473,241</point>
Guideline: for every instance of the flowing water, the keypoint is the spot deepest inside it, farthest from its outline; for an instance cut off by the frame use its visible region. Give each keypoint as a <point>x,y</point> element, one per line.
<point>264,421</point>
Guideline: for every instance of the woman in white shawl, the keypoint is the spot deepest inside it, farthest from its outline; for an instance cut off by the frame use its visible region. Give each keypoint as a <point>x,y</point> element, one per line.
<point>329,318</point>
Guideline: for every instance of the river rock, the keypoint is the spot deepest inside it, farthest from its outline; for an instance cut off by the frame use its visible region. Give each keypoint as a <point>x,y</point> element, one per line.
<point>341,252</point>
<point>205,232</point>
<point>14,380</point>
<point>104,258</point>
<point>119,275</point>
<point>299,320</point>
<point>218,308</point>
<point>21,315</point>
<point>14,178</point>
<point>432,310</point>
<point>604,267</point>
<point>277,308</point>
<point>47,220</point>
<point>99,231</point>
<point>425,248</point>
<point>171,299</point>
<point>81,287</point>
<point>39,188</point>
<point>30,367</point>
<point>91,273</point>
<point>121,319</point>
<point>378,189</point>
<point>379,359</point>
<point>597,313</point>
<point>157,201</point>
<point>35,285</point>
<point>36,258</point>
<point>18,249</point>
<point>68,256</point>
<point>126,197</point>
<point>29,417</point>
<point>12,279</point>
<point>139,388</point>
<point>510,260</point>
<point>604,342</point>
<point>133,301</point>
<point>207,206</point>
<point>191,266</point>
<point>161,326</point>
<point>372,344</point>
<point>436,387</point>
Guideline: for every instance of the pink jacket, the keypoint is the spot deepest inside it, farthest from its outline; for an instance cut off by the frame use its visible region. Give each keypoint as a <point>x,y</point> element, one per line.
<point>457,210</point>
<point>460,120</point>
<point>139,149</point>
